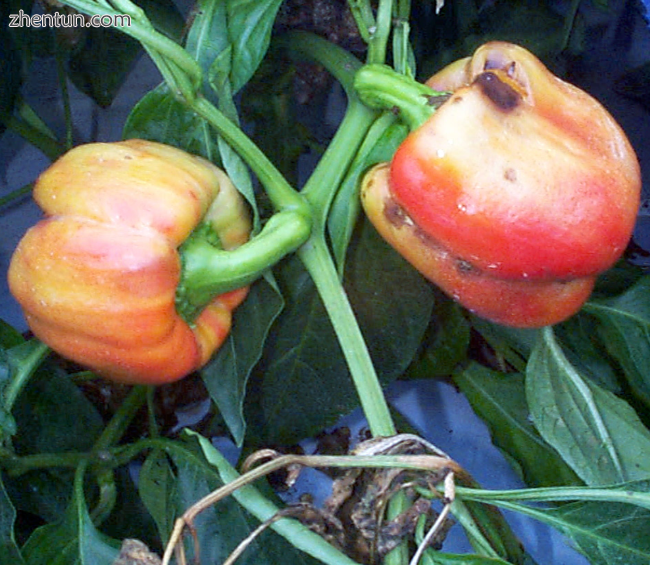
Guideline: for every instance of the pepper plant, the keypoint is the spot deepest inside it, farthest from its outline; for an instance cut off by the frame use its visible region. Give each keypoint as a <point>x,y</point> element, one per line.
<point>197,233</point>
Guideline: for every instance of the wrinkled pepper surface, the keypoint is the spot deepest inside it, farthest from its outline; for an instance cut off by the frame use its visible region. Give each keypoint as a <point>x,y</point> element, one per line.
<point>97,278</point>
<point>514,195</point>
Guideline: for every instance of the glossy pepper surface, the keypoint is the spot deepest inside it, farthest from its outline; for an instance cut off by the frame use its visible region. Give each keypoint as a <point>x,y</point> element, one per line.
<point>514,195</point>
<point>97,278</point>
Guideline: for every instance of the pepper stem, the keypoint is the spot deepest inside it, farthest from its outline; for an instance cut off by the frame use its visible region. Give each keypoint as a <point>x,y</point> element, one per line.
<point>208,271</point>
<point>382,88</point>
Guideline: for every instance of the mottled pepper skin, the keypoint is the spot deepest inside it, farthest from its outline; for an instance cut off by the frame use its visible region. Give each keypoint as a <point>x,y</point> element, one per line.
<point>514,195</point>
<point>97,277</point>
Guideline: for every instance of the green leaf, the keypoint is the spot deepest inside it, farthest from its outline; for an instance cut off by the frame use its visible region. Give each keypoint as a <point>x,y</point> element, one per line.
<point>172,482</point>
<point>156,484</point>
<point>7,423</point>
<point>229,40</point>
<point>237,30</point>
<point>208,35</point>
<point>250,23</point>
<point>578,337</point>
<point>53,416</point>
<point>447,347</point>
<point>440,558</point>
<point>391,300</point>
<point>606,532</point>
<point>500,401</point>
<point>513,345</point>
<point>74,540</point>
<point>9,336</point>
<point>383,139</point>
<point>158,116</point>
<point>598,434</point>
<point>303,365</point>
<point>103,57</point>
<point>17,366</point>
<point>9,552</point>
<point>625,330</point>
<point>306,384</point>
<point>227,373</point>
<point>101,62</point>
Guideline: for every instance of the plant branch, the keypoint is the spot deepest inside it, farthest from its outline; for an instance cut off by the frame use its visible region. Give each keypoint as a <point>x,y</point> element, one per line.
<point>318,261</point>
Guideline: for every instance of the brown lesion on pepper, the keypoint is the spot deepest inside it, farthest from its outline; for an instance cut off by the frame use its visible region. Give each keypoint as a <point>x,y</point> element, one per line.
<point>437,100</point>
<point>501,94</point>
<point>510,174</point>
<point>465,267</point>
<point>394,213</point>
<point>398,217</point>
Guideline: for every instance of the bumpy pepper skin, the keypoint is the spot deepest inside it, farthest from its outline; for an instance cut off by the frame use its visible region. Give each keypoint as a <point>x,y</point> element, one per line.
<point>514,195</point>
<point>97,277</point>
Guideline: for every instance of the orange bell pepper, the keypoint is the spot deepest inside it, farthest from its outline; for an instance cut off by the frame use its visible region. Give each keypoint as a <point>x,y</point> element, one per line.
<point>97,278</point>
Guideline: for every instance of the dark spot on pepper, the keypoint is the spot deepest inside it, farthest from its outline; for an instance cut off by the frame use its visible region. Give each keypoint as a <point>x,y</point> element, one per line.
<point>437,100</point>
<point>502,95</point>
<point>426,239</point>
<point>465,267</point>
<point>394,213</point>
<point>510,174</point>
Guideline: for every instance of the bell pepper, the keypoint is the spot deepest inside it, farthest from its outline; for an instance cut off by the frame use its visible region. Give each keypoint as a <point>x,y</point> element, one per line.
<point>98,277</point>
<point>514,195</point>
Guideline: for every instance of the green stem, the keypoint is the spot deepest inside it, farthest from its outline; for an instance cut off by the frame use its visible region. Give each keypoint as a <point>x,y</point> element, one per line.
<point>326,179</point>
<point>504,498</point>
<point>24,370</point>
<point>281,193</point>
<point>19,465</point>
<point>209,272</point>
<point>111,435</point>
<point>263,509</point>
<point>364,18</point>
<point>401,43</point>
<point>320,190</point>
<point>120,421</point>
<point>381,87</point>
<point>380,35</point>
<point>154,432</point>
<point>142,30</point>
<point>339,62</point>
<point>107,496</point>
<point>318,261</point>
